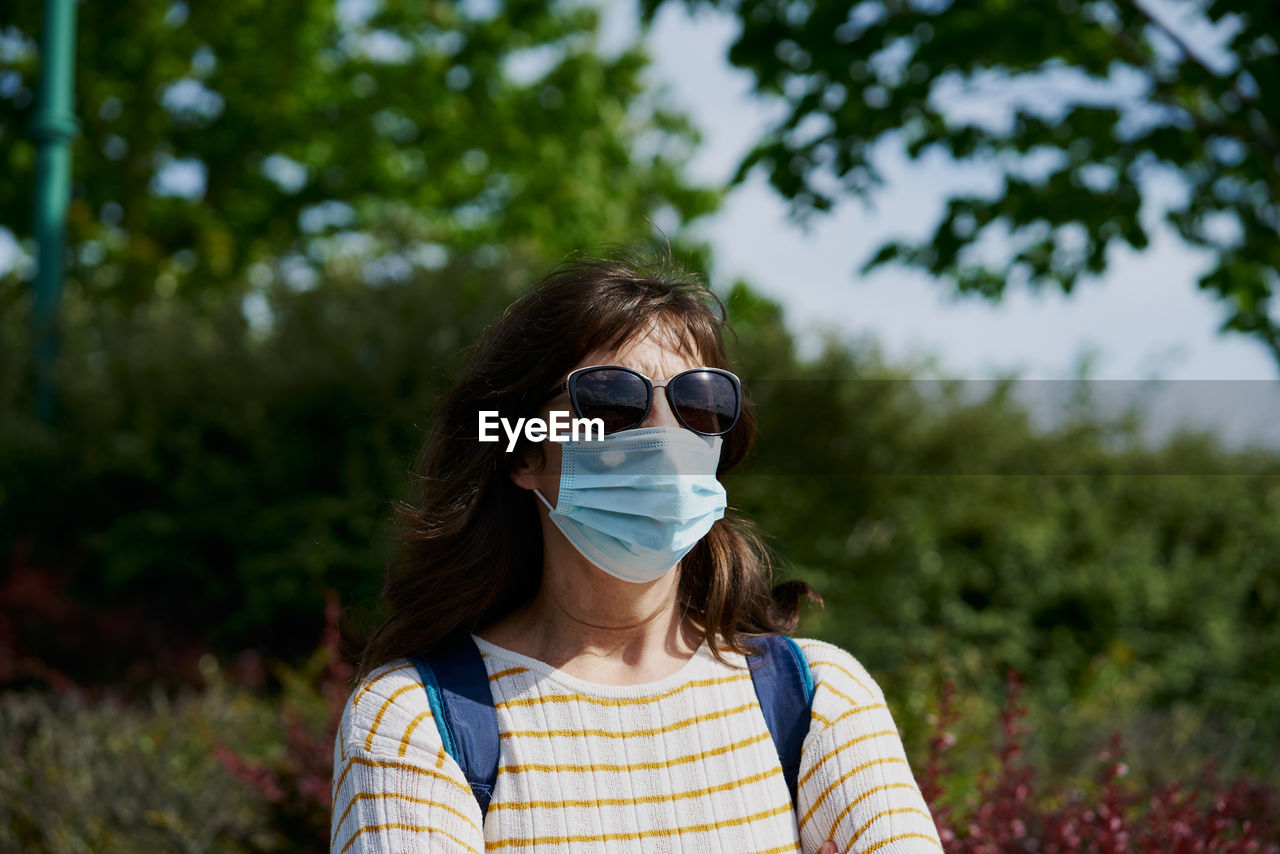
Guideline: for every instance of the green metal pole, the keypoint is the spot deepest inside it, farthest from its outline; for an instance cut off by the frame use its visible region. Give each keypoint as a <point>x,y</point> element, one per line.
<point>53,127</point>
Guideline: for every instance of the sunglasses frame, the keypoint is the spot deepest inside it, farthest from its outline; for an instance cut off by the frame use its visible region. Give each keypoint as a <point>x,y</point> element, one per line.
<point>570,386</point>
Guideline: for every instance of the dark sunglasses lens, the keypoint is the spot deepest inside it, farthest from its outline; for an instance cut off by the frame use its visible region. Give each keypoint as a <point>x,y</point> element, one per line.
<point>706,401</point>
<point>616,397</point>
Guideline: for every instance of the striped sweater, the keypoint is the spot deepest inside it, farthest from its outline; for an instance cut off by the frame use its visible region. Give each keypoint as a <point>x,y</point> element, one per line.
<point>685,763</point>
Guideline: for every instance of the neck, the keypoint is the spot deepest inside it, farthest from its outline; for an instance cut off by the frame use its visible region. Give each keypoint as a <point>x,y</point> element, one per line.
<point>590,624</point>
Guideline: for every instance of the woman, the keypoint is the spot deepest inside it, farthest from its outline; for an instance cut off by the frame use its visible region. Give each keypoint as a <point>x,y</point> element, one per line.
<point>612,597</point>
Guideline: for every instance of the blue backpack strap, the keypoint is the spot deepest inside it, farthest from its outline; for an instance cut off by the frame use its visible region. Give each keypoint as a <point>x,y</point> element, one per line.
<point>457,686</point>
<point>784,686</point>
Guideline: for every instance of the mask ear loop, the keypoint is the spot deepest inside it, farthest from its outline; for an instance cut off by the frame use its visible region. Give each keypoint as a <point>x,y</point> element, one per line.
<point>543,498</point>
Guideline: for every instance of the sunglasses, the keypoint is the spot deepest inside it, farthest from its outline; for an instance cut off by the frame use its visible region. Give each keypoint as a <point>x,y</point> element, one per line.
<point>707,401</point>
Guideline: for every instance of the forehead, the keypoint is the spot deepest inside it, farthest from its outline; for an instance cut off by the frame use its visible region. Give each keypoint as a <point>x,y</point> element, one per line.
<point>657,352</point>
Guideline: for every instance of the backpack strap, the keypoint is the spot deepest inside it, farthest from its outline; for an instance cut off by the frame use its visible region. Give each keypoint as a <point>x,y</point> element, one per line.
<point>457,686</point>
<point>784,687</point>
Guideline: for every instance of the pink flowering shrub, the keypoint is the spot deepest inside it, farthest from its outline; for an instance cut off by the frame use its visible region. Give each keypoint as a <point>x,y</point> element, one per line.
<point>297,784</point>
<point>1011,815</point>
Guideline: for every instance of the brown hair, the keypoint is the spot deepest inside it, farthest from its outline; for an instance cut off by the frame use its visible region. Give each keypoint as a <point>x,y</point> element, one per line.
<point>463,545</point>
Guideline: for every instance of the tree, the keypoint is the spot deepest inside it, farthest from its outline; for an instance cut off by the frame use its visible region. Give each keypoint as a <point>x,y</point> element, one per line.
<point>1099,96</point>
<point>233,143</point>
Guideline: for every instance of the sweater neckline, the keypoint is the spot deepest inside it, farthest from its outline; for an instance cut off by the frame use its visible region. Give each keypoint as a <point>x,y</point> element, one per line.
<point>579,685</point>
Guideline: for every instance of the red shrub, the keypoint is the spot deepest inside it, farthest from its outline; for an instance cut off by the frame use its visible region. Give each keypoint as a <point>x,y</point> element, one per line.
<point>45,636</point>
<point>298,786</point>
<point>1010,817</point>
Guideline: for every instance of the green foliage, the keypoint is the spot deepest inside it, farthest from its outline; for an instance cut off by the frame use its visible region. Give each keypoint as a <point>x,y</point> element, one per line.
<point>222,477</point>
<point>949,538</point>
<point>82,775</point>
<point>416,134</point>
<point>217,477</point>
<point>1087,110</point>
<point>227,476</point>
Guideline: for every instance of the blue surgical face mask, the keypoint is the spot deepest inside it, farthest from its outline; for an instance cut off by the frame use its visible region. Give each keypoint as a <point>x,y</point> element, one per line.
<point>635,502</point>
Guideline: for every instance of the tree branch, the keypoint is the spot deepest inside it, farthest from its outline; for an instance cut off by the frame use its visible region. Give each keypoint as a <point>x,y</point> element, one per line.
<point>1177,40</point>
<point>1161,93</point>
<point>1268,139</point>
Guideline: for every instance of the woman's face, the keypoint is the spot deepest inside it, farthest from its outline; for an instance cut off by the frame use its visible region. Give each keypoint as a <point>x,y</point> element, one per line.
<point>655,355</point>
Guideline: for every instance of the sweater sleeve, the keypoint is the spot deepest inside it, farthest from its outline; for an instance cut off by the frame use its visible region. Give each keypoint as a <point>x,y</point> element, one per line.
<point>395,789</point>
<point>855,785</point>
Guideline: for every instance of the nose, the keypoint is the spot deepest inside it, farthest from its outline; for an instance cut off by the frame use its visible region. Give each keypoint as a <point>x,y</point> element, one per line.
<point>660,413</point>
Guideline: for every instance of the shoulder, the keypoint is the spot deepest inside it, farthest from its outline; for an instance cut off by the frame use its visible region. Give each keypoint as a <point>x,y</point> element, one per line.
<point>836,671</point>
<point>392,778</point>
<point>388,714</point>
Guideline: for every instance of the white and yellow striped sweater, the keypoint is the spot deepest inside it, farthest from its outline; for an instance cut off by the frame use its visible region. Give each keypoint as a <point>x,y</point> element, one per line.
<point>682,764</point>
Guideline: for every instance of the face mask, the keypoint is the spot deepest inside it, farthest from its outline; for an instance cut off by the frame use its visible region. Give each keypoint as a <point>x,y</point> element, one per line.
<point>637,501</point>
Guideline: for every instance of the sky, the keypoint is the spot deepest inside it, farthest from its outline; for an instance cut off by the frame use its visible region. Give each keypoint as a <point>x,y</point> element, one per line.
<point>1145,319</point>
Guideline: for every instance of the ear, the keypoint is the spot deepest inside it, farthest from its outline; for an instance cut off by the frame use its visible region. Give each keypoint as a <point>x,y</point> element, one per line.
<point>520,468</point>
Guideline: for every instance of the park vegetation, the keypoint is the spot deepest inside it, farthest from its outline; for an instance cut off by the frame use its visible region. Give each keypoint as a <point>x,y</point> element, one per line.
<point>1078,629</point>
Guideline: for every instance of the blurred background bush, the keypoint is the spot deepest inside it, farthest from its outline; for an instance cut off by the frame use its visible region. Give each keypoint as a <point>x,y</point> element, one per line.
<point>287,225</point>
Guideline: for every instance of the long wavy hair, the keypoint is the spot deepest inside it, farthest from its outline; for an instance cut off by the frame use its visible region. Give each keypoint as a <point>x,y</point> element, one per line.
<point>467,544</point>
